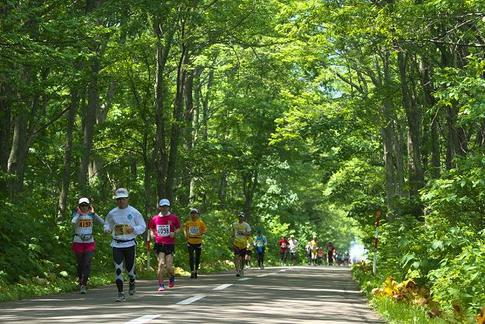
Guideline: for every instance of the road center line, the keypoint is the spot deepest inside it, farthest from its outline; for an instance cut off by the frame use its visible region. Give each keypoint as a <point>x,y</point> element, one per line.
<point>263,275</point>
<point>244,279</point>
<point>221,287</point>
<point>143,319</point>
<point>190,300</point>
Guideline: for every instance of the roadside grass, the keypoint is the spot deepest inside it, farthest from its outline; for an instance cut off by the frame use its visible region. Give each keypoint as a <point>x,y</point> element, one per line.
<point>398,312</point>
<point>401,311</point>
<point>37,287</point>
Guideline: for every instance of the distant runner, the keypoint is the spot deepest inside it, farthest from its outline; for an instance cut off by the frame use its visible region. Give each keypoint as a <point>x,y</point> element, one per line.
<point>283,244</point>
<point>194,228</point>
<point>260,243</point>
<point>293,246</point>
<point>83,244</point>
<point>241,231</point>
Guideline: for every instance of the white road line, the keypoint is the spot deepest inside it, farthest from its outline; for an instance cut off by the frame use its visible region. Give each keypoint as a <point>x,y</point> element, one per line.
<point>244,279</point>
<point>283,270</point>
<point>263,275</point>
<point>143,319</point>
<point>190,300</point>
<point>221,287</point>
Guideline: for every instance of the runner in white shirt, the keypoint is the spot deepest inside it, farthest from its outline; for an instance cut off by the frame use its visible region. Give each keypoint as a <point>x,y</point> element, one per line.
<point>293,246</point>
<point>124,223</point>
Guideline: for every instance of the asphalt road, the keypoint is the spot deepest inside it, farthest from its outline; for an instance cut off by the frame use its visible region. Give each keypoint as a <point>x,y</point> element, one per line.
<point>274,295</point>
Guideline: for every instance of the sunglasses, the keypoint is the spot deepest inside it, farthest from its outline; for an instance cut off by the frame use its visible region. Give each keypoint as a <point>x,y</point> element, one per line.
<point>118,199</point>
<point>84,205</point>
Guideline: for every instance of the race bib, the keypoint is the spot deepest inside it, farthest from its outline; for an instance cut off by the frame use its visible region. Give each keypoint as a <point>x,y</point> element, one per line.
<point>163,230</point>
<point>194,230</point>
<point>85,223</point>
<point>283,245</point>
<point>121,229</point>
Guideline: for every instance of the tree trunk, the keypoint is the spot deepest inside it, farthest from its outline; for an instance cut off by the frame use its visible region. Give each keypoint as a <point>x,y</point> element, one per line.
<point>177,123</point>
<point>429,102</point>
<point>205,105</point>
<point>5,128</point>
<point>416,171</point>
<point>66,174</point>
<point>394,175</point>
<point>163,47</point>
<point>89,123</point>
<point>250,183</point>
<point>222,190</point>
<point>190,137</point>
<point>18,154</point>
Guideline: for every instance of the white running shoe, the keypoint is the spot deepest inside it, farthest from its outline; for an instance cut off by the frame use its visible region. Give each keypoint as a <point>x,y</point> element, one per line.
<point>121,297</point>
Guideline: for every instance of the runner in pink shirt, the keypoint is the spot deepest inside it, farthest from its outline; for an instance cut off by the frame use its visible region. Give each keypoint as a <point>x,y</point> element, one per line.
<point>163,228</point>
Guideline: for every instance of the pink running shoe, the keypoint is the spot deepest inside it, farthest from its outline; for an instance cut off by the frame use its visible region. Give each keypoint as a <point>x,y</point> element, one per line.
<point>161,288</point>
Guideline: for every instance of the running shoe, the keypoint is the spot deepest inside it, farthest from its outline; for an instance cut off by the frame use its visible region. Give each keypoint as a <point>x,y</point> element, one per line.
<point>238,274</point>
<point>171,282</point>
<point>192,275</point>
<point>161,288</point>
<point>132,289</point>
<point>121,297</point>
<point>195,275</point>
<point>83,289</point>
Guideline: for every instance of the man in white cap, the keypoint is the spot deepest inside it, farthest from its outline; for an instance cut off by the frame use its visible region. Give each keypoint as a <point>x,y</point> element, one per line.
<point>124,223</point>
<point>163,228</point>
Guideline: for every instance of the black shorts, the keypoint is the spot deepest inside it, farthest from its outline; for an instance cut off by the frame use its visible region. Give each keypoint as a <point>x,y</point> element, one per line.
<point>166,249</point>
<point>238,251</point>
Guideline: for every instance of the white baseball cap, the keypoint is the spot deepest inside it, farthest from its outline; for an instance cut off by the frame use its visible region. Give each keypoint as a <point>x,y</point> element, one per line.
<point>164,202</point>
<point>83,200</point>
<point>121,193</point>
<point>194,210</point>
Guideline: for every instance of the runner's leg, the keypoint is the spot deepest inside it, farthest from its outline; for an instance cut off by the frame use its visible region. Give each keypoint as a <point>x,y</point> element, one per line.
<point>88,256</point>
<point>80,266</point>
<point>170,270</point>
<point>191,249</point>
<point>118,262</point>
<point>130,259</point>
<point>161,266</point>
<point>198,252</point>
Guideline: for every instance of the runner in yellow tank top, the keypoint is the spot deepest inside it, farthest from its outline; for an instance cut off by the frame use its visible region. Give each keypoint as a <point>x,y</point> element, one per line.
<point>194,228</point>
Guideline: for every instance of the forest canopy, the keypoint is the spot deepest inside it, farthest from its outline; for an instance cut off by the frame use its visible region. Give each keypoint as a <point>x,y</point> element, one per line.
<point>306,115</point>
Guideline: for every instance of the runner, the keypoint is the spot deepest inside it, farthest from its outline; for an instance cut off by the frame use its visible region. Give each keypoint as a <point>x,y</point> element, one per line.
<point>293,246</point>
<point>331,251</point>
<point>308,251</point>
<point>283,244</point>
<point>163,228</point>
<point>194,228</point>
<point>249,253</point>
<point>314,250</point>
<point>320,255</point>
<point>260,243</point>
<point>124,223</point>
<point>83,244</point>
<point>241,231</point>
